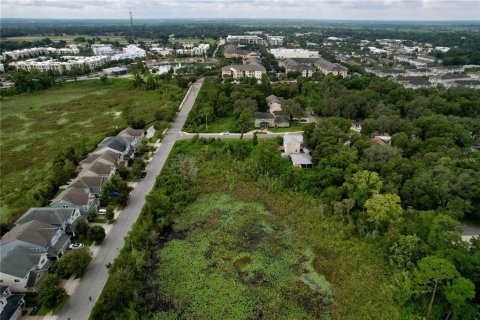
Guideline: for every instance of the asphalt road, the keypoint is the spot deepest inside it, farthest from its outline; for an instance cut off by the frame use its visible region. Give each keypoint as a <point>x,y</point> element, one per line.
<point>79,306</point>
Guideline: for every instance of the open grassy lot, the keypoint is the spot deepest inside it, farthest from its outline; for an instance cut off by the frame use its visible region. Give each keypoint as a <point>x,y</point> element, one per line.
<point>35,127</point>
<point>226,244</point>
<point>240,261</point>
<point>70,38</point>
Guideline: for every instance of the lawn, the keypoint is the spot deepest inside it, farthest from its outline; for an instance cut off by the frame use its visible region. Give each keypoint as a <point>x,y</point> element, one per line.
<point>35,127</point>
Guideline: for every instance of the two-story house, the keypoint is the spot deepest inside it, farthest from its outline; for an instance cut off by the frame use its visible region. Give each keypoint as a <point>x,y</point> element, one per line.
<point>10,304</point>
<point>39,237</point>
<point>57,217</point>
<point>22,268</point>
<point>76,198</point>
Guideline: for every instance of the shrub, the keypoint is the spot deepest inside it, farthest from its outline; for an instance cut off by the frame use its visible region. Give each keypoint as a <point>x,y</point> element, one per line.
<point>96,233</point>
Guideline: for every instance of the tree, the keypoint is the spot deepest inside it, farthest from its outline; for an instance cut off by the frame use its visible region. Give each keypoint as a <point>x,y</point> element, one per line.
<point>96,233</point>
<point>188,169</point>
<point>458,293</point>
<point>50,292</point>
<point>291,108</point>
<point>255,139</point>
<point>74,262</point>
<point>362,185</point>
<point>104,79</point>
<point>205,112</point>
<point>382,209</point>
<point>109,214</point>
<point>92,214</point>
<point>430,274</point>
<point>81,228</point>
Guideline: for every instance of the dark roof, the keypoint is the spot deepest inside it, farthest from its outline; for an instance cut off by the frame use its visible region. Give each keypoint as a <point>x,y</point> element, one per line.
<point>116,143</point>
<point>75,196</point>
<point>18,261</point>
<point>93,183</point>
<point>282,119</point>
<point>131,132</point>
<point>53,216</point>
<point>34,231</point>
<point>100,168</point>
<point>14,302</point>
<point>468,82</point>
<point>263,115</point>
<point>454,76</point>
<point>3,288</point>
<point>109,155</point>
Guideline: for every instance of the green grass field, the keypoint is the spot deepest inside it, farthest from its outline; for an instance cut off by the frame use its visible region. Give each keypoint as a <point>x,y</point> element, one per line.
<point>70,38</point>
<point>236,257</point>
<point>35,127</point>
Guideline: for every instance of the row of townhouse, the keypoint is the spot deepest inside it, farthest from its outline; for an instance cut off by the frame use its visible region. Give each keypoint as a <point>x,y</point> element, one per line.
<point>43,234</point>
<point>419,61</point>
<point>71,62</point>
<point>307,66</point>
<point>35,52</point>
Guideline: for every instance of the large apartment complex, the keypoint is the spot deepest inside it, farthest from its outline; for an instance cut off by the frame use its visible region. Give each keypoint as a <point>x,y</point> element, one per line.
<point>251,68</point>
<point>243,39</point>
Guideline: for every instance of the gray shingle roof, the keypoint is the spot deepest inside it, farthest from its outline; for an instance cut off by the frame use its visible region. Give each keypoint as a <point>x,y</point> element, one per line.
<point>18,261</point>
<point>263,115</point>
<point>75,196</point>
<point>36,232</point>
<point>53,216</point>
<point>116,143</point>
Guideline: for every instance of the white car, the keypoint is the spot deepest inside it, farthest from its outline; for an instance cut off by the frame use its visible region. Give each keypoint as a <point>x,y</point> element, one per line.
<point>225,133</point>
<point>74,246</point>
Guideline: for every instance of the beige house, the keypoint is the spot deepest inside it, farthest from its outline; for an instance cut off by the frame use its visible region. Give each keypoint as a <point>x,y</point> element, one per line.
<point>244,70</point>
<point>292,143</point>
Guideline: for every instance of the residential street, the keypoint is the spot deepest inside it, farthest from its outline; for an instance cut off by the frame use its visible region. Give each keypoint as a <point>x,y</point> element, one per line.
<point>79,306</point>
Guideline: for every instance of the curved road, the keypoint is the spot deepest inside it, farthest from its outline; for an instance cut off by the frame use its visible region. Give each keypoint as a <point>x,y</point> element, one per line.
<point>79,306</point>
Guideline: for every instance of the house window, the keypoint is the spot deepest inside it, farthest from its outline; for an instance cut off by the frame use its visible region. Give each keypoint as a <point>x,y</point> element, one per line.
<point>16,280</point>
<point>43,260</point>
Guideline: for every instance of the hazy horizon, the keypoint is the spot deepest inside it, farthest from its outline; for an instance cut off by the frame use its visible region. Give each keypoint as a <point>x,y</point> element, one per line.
<point>348,10</point>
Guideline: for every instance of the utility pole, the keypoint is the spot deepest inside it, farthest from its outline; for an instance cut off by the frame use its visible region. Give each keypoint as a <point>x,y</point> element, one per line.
<point>131,25</point>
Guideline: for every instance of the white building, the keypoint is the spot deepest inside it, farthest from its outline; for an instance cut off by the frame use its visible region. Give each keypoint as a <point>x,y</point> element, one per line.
<point>275,40</point>
<point>130,52</point>
<point>102,49</point>
<point>283,53</point>
<point>34,52</point>
<point>68,63</point>
<point>243,39</point>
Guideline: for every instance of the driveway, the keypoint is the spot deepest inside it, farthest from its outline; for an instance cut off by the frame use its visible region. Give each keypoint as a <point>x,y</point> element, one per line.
<point>79,306</point>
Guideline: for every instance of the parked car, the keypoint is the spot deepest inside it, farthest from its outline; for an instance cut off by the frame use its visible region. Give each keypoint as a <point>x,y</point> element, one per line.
<point>225,133</point>
<point>74,246</point>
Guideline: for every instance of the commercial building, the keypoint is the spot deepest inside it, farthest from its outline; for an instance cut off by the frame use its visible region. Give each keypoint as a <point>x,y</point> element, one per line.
<point>283,53</point>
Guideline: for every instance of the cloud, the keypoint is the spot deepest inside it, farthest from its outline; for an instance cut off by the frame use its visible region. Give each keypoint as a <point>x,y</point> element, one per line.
<point>295,9</point>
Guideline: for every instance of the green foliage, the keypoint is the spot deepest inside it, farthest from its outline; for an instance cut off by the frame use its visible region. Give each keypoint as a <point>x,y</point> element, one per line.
<point>50,292</point>
<point>115,185</point>
<point>81,227</point>
<point>109,213</point>
<point>229,277</point>
<point>74,262</point>
<point>96,233</point>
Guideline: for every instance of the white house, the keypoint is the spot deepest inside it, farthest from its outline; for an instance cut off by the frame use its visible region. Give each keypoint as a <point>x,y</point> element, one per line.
<point>10,304</point>
<point>292,143</point>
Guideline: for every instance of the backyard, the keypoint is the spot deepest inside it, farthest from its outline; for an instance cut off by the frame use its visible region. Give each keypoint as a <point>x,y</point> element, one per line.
<point>36,127</point>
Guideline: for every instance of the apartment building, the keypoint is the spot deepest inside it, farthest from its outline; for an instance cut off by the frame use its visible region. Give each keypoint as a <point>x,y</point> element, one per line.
<point>102,49</point>
<point>243,39</point>
<point>130,52</point>
<point>35,52</point>
<point>252,68</point>
<point>275,40</point>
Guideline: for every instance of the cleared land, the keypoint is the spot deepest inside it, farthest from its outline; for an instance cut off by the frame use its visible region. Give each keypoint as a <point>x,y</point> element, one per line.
<point>35,127</point>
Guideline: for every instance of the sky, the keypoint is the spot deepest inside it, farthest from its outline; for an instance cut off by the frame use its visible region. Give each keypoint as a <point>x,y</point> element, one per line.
<point>292,9</point>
